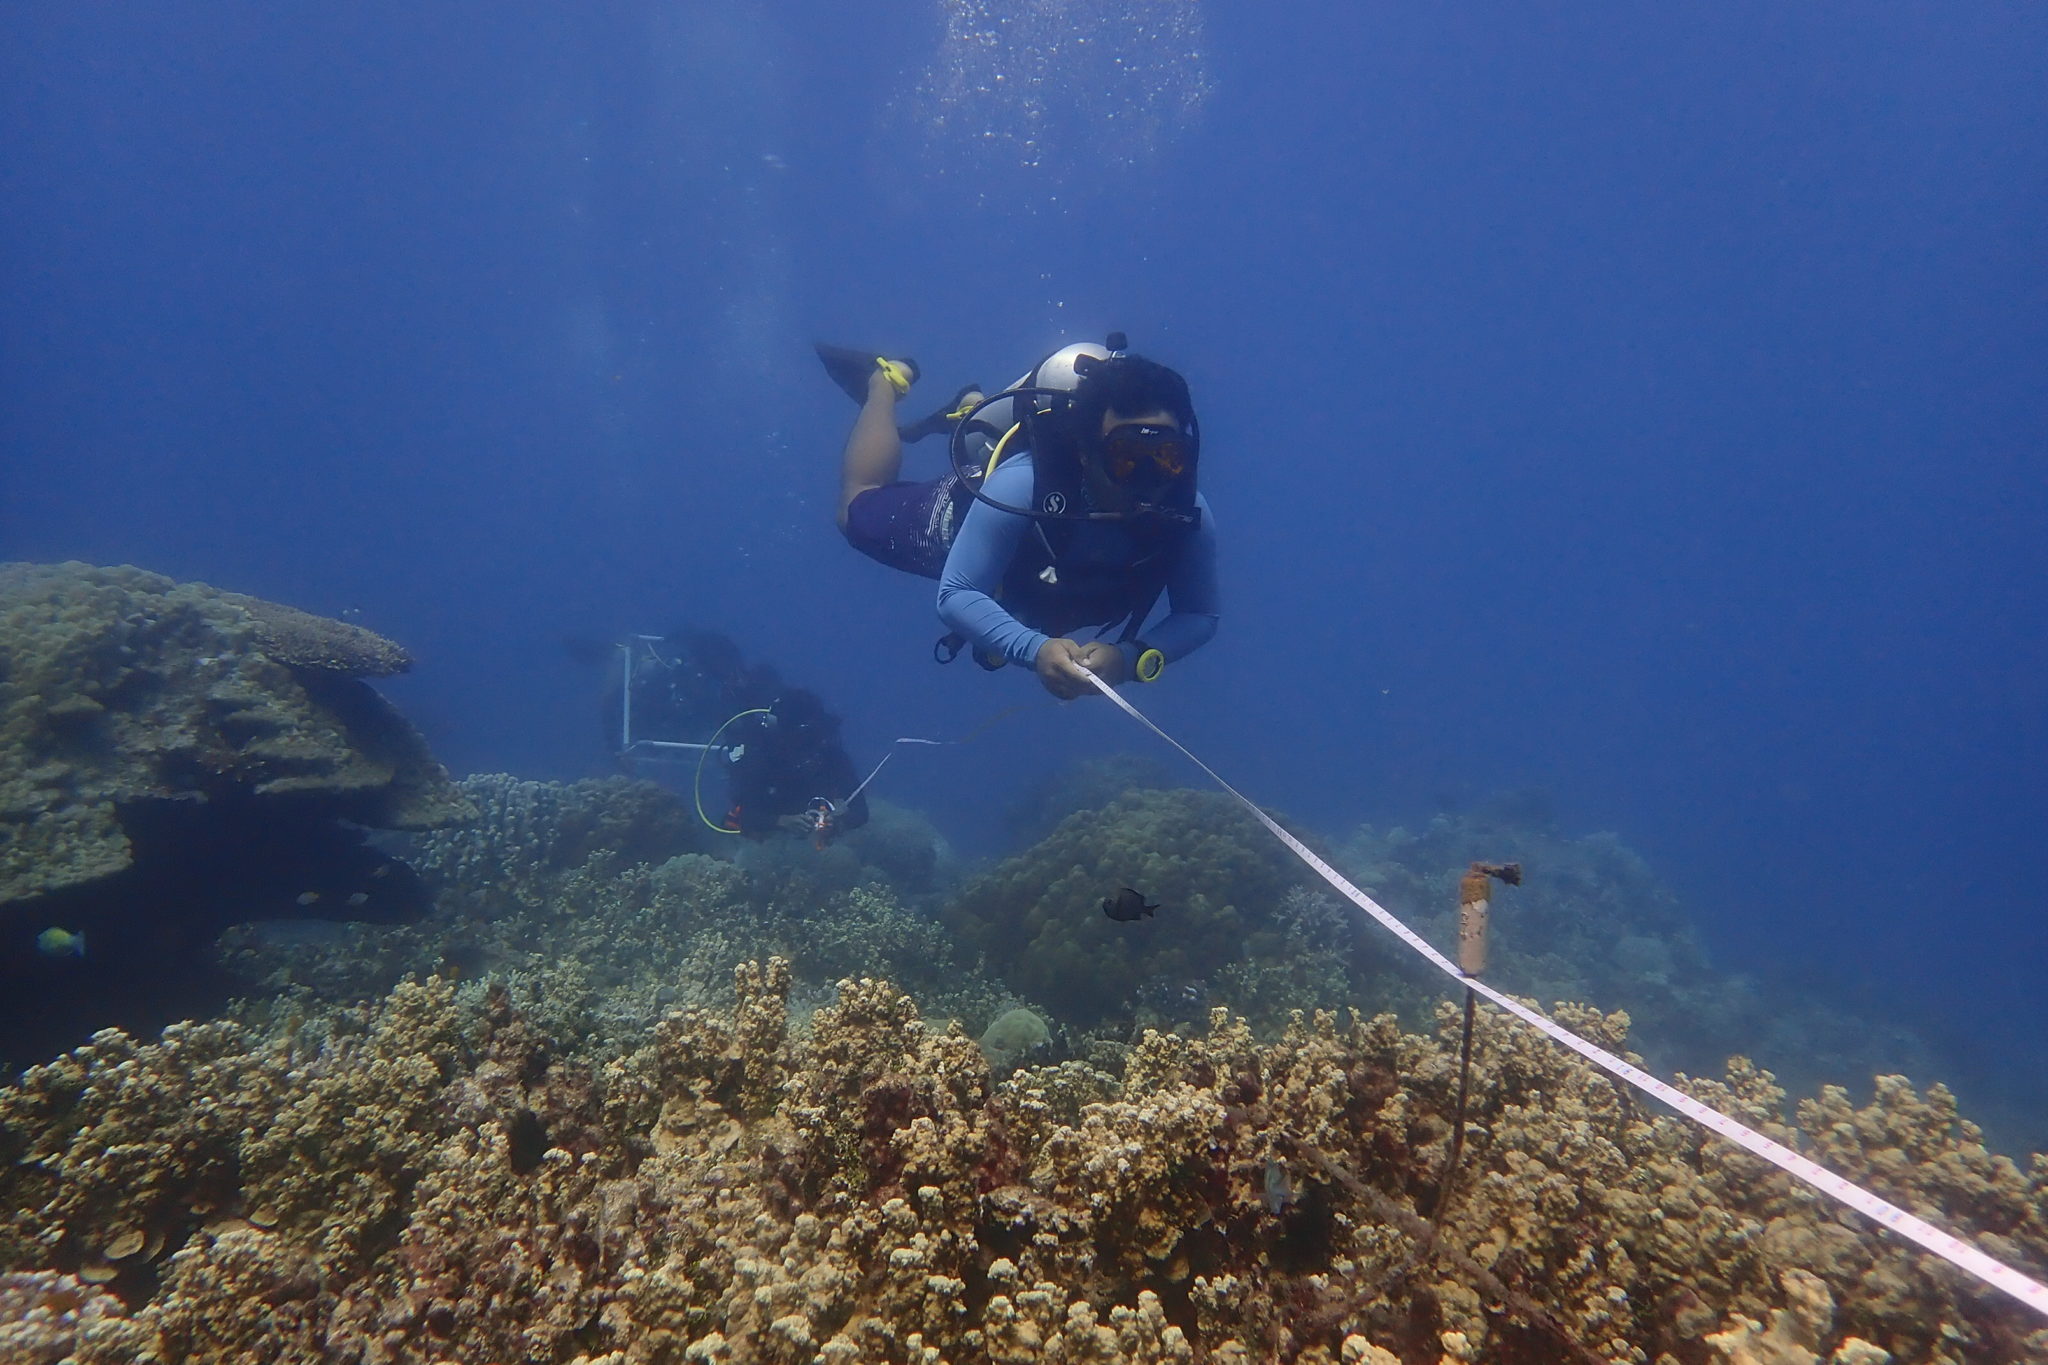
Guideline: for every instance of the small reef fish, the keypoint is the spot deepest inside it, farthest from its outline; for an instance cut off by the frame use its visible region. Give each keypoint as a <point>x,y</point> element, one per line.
<point>308,898</point>
<point>1127,905</point>
<point>56,942</point>
<point>1281,1190</point>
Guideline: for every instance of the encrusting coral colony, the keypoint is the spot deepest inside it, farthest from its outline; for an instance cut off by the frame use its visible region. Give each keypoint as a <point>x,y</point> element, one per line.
<point>624,1098</point>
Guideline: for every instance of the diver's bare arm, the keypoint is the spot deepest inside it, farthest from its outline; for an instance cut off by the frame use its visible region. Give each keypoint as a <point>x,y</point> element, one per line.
<point>874,452</point>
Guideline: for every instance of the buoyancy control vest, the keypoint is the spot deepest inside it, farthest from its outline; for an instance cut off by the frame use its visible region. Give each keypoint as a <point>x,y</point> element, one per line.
<point>1069,574</point>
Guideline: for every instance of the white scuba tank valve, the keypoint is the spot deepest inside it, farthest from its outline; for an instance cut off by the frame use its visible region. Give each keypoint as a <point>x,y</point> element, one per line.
<point>1056,371</point>
<point>1062,369</point>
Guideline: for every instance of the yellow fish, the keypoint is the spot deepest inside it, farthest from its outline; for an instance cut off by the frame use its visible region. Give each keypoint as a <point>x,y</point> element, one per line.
<point>55,942</point>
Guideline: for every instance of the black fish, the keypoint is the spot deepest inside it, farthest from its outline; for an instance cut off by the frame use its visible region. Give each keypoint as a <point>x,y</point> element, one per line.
<point>1127,905</point>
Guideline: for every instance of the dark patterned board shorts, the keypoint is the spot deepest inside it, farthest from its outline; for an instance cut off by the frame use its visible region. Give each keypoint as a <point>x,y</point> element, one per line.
<point>908,526</point>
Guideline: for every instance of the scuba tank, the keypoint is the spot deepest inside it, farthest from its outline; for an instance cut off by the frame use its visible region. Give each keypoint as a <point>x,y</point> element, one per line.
<point>1037,395</point>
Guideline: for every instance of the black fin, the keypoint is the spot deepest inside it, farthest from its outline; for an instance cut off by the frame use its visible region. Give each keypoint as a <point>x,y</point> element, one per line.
<point>941,421</point>
<point>850,368</point>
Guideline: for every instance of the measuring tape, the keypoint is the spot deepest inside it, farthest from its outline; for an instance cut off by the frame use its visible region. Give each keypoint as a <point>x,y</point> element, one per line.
<point>1950,1248</point>
<point>894,744</point>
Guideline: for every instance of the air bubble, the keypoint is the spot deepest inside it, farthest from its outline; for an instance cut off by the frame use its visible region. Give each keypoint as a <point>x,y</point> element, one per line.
<point>1077,90</point>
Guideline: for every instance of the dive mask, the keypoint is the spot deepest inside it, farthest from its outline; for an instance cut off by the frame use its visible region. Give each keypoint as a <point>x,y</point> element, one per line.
<point>1141,450</point>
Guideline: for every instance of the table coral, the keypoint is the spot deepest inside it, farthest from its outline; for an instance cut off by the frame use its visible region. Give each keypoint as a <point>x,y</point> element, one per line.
<point>124,686</point>
<point>299,639</point>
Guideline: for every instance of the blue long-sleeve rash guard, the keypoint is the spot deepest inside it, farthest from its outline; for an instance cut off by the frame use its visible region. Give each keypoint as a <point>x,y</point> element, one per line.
<point>988,539</point>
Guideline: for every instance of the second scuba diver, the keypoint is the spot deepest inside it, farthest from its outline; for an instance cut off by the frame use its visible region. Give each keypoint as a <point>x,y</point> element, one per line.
<point>1071,506</point>
<point>785,765</point>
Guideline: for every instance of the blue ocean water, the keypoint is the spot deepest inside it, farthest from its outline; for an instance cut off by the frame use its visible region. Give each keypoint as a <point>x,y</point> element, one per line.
<point>1641,406</point>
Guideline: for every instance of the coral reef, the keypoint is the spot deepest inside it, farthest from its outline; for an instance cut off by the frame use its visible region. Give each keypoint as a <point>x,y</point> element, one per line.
<point>1593,922</point>
<point>299,639</point>
<point>575,1117</point>
<point>542,845</point>
<point>1238,924</point>
<point>535,844</point>
<point>586,877</point>
<point>173,760</point>
<point>1086,785</point>
<point>123,686</point>
<point>48,1319</point>
<point>1037,916</point>
<point>1795,1332</point>
<point>442,1176</point>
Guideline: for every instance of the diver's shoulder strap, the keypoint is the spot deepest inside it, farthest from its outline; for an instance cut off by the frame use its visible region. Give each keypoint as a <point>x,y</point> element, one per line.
<point>1156,572</point>
<point>1136,621</point>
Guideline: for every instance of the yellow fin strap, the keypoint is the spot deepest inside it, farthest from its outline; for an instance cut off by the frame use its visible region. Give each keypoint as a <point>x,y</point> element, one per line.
<point>1151,664</point>
<point>897,373</point>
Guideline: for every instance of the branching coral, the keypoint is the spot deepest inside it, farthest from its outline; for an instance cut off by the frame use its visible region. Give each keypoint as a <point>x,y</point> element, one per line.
<point>442,1178</point>
<point>175,760</point>
<point>50,1319</point>
<point>582,874</point>
<point>533,843</point>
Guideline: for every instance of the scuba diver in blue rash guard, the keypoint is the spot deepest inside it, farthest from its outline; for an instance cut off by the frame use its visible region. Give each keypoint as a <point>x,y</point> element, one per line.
<point>1071,506</point>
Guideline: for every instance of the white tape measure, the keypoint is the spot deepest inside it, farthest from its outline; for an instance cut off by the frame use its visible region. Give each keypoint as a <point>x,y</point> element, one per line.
<point>1950,1248</point>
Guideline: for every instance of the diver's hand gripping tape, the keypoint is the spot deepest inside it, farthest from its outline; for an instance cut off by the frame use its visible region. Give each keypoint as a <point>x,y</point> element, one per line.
<point>1945,1245</point>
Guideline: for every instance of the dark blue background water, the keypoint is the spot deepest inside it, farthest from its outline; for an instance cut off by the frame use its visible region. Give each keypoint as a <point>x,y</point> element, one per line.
<point>1641,405</point>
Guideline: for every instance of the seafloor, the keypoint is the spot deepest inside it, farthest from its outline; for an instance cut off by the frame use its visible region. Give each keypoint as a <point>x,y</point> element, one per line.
<point>626,1097</point>
<point>610,1087</point>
